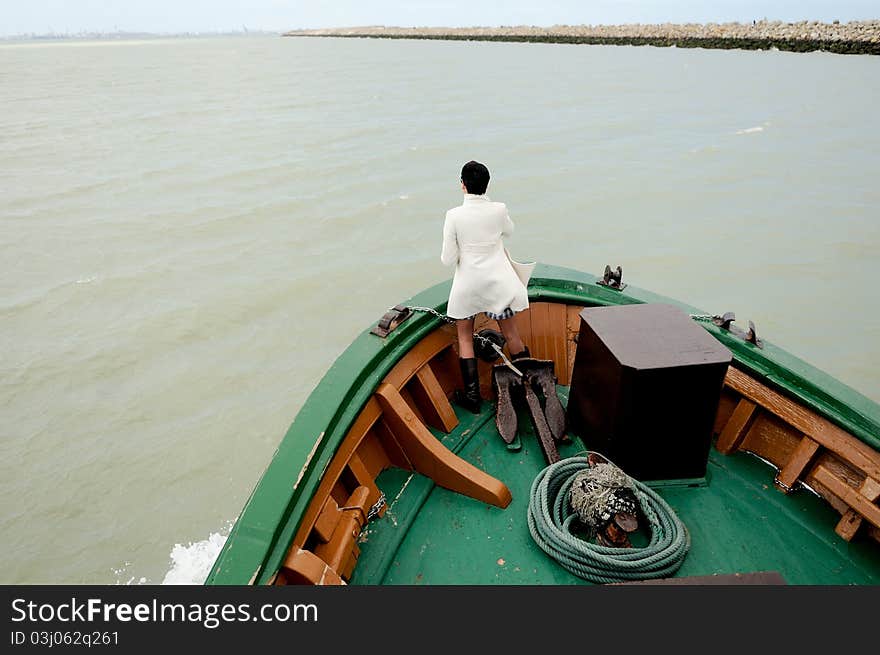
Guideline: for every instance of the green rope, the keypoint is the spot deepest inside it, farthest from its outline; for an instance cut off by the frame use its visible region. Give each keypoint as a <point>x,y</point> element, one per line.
<point>550,518</point>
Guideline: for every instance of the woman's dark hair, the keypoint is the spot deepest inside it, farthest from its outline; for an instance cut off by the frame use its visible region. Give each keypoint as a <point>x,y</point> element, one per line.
<point>475,177</point>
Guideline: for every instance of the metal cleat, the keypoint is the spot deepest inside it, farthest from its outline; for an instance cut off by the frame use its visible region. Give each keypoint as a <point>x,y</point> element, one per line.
<point>752,336</point>
<point>392,318</point>
<point>612,279</point>
<point>725,322</point>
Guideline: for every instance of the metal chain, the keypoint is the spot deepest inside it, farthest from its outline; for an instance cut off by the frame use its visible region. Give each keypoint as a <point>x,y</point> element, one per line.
<point>373,512</point>
<point>376,508</point>
<point>451,321</point>
<point>481,339</point>
<point>430,310</point>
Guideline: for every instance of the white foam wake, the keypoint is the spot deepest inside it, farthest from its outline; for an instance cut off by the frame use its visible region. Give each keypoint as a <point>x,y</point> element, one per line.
<point>751,130</point>
<point>122,572</point>
<point>190,565</point>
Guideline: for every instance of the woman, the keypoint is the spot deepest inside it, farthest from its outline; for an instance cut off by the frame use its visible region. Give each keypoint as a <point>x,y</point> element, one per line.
<point>484,281</point>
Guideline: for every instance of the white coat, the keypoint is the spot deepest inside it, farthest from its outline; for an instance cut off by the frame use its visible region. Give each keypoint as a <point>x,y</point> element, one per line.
<point>473,241</point>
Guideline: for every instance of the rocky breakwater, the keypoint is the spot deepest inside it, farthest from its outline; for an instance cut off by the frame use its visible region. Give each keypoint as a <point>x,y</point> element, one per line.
<point>856,37</point>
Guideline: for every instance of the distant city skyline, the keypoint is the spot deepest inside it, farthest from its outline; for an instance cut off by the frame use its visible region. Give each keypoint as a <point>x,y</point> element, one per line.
<point>206,16</point>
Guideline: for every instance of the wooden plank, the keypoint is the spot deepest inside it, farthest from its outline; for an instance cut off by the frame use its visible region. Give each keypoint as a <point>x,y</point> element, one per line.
<point>851,521</point>
<point>848,525</point>
<point>870,489</point>
<point>540,330</point>
<point>408,398</point>
<point>431,458</point>
<point>558,314</point>
<point>441,414</point>
<point>841,469</point>
<point>446,370</point>
<point>726,404</point>
<point>304,567</point>
<point>362,424</point>
<point>347,569</point>
<point>339,493</point>
<point>327,520</point>
<point>735,431</point>
<point>809,423</point>
<point>364,478</point>
<point>868,510</point>
<point>836,503</point>
<point>483,368</point>
<point>389,444</point>
<point>573,328</point>
<point>338,551</point>
<point>419,355</point>
<point>524,327</point>
<point>799,461</point>
<point>771,438</point>
<point>484,372</point>
<point>372,453</point>
<point>573,318</point>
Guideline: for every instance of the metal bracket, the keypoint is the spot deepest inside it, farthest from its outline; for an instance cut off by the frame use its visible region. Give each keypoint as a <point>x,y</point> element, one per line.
<point>725,322</point>
<point>392,318</point>
<point>612,279</point>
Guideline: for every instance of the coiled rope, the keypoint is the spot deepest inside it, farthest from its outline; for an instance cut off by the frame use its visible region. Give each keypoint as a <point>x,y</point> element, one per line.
<point>550,518</point>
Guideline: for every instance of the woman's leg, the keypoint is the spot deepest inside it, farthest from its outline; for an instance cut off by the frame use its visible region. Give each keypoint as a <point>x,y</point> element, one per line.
<point>469,397</point>
<point>465,328</point>
<point>511,334</point>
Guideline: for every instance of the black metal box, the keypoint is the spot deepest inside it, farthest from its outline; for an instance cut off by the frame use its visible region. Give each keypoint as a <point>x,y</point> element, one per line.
<point>645,388</point>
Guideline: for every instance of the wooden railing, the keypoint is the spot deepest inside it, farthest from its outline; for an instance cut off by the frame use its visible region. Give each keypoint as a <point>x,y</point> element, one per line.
<point>807,449</point>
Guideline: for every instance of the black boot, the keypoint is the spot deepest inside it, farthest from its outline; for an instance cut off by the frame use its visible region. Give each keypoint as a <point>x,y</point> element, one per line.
<point>469,398</point>
<point>521,355</point>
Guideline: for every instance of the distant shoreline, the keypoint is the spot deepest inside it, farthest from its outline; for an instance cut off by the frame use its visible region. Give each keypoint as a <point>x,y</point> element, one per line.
<point>126,36</point>
<point>857,37</point>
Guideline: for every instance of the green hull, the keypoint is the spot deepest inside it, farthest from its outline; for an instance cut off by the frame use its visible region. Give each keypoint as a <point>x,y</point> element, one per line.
<point>398,551</point>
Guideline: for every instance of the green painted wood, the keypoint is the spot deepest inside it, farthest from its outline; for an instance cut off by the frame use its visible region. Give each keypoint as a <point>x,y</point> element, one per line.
<point>260,537</point>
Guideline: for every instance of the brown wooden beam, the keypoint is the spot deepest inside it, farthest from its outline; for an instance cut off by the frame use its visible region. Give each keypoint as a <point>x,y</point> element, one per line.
<point>418,356</point>
<point>797,464</point>
<point>737,427</point>
<point>304,567</point>
<point>869,511</point>
<point>851,521</point>
<point>342,547</point>
<point>362,424</point>
<point>436,407</point>
<point>809,423</point>
<point>431,458</point>
<point>362,475</point>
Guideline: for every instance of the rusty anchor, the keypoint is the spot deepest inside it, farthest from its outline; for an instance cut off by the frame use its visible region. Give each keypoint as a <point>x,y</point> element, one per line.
<point>530,384</point>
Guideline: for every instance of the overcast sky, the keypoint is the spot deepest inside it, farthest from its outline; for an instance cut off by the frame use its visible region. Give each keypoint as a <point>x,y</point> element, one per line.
<point>168,16</point>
